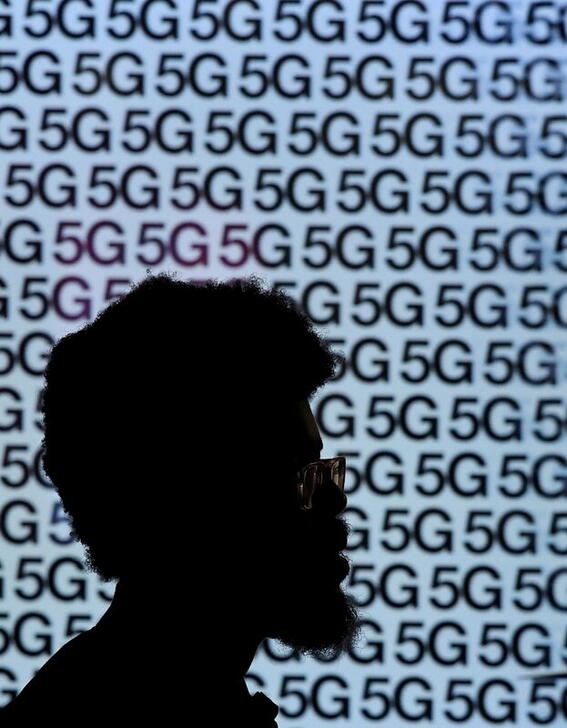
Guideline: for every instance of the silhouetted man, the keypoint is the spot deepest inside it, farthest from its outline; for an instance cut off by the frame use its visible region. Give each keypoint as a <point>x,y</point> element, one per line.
<point>176,427</point>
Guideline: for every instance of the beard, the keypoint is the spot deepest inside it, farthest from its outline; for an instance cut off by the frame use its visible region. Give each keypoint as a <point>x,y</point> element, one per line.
<point>309,610</point>
<point>322,623</point>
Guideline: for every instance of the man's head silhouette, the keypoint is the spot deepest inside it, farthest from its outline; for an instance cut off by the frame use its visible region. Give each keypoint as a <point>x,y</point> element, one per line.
<point>175,424</point>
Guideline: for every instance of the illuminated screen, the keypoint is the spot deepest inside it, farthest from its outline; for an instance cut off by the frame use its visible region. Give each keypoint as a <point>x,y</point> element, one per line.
<point>399,169</point>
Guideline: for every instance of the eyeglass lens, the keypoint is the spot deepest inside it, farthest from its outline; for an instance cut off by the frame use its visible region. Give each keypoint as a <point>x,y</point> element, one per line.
<point>315,474</point>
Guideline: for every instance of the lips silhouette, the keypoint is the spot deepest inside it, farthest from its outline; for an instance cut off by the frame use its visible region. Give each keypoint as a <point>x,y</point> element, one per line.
<point>342,567</point>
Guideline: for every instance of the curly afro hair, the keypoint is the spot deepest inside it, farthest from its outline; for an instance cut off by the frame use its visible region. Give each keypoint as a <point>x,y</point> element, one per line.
<point>166,377</point>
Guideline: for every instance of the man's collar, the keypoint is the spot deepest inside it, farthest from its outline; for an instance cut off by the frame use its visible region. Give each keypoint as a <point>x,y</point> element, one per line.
<point>258,709</point>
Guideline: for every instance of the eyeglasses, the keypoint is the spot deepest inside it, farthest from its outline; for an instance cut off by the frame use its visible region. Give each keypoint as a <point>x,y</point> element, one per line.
<point>314,474</point>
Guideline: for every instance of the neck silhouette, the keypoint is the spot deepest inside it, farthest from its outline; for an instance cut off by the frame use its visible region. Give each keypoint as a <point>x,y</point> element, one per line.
<point>157,619</point>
